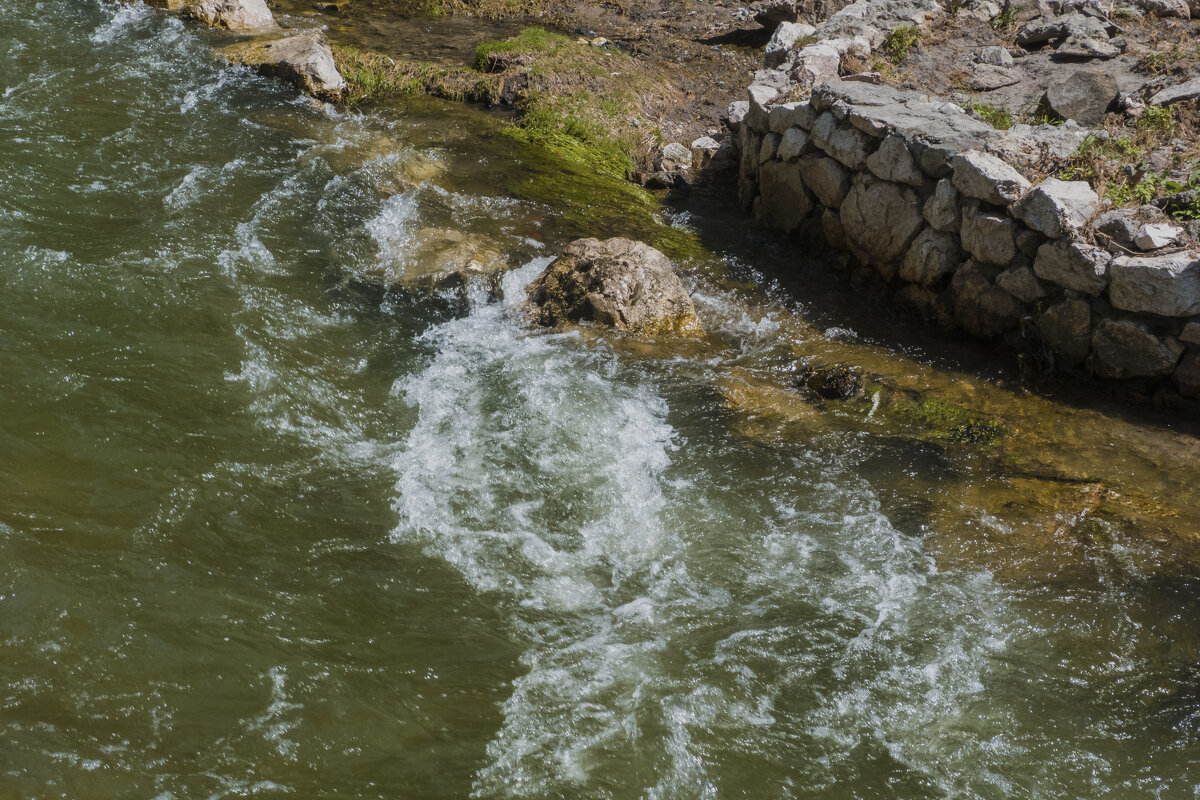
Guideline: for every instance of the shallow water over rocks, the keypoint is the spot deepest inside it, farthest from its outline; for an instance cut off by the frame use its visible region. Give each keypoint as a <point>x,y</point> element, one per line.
<point>264,532</point>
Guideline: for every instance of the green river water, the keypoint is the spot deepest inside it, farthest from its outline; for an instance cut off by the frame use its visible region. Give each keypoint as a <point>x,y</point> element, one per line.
<point>264,533</point>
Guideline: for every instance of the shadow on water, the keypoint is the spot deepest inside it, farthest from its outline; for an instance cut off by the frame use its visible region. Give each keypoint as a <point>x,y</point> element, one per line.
<point>794,274</point>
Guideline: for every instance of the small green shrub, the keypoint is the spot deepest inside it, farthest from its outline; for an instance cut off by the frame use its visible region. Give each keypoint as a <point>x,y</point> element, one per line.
<point>1005,19</point>
<point>1157,118</point>
<point>900,42</point>
<point>530,40</point>
<point>999,118</point>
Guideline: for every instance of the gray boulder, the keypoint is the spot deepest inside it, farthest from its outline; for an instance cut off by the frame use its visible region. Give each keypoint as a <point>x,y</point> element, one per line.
<point>825,178</point>
<point>942,209</point>
<point>784,200</point>
<point>1188,90</point>
<point>768,147</point>
<point>881,219</point>
<point>1165,285</point>
<point>736,113</point>
<point>1073,265</point>
<point>987,178</point>
<point>1021,283</point>
<point>1167,8</point>
<point>704,150</point>
<point>995,55</point>
<point>1054,207</point>
<point>793,144</point>
<point>935,130</point>
<point>757,117</point>
<point>1157,235</point>
<point>988,77</point>
<point>831,228</point>
<point>981,308</point>
<point>233,15</point>
<point>988,236</point>
<point>1084,96</point>
<point>770,13</point>
<point>783,40</point>
<point>791,115</point>
<point>1122,225</point>
<point>673,158</point>
<point>845,143</point>
<point>1191,333</point>
<point>1187,375</point>
<point>894,162</point>
<point>932,255</point>
<point>303,59</point>
<point>626,284</point>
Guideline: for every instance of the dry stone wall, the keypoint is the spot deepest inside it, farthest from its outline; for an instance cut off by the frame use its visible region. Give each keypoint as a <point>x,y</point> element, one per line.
<point>930,199</point>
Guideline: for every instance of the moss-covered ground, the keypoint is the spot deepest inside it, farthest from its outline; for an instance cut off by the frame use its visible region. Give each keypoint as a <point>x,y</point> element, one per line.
<point>583,103</point>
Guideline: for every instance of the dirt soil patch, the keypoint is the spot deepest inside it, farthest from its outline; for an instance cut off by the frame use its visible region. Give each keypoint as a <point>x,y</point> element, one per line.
<point>700,55</point>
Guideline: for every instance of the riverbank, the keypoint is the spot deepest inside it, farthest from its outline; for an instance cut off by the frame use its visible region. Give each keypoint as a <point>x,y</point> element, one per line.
<point>984,430</point>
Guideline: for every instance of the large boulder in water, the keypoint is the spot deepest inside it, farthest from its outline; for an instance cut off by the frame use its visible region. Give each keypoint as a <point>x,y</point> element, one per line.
<point>618,282</point>
<point>234,15</point>
<point>303,59</point>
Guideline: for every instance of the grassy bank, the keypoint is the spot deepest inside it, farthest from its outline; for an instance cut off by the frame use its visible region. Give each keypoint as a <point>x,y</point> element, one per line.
<point>580,102</point>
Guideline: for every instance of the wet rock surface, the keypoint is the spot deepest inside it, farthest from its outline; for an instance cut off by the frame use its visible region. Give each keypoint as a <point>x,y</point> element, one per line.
<point>234,15</point>
<point>302,59</point>
<point>618,282</point>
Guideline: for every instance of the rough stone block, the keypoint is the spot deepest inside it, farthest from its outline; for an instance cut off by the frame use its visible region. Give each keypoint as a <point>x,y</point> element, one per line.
<point>793,144</point>
<point>881,220</point>
<point>784,200</point>
<point>942,209</point>
<point>1020,282</point>
<point>982,309</point>
<point>1165,285</point>
<point>1128,349</point>
<point>932,255</point>
<point>893,162</point>
<point>1073,265</point>
<point>988,236</point>
<point>1066,328</point>
<point>766,150</point>
<point>825,178</point>
<point>987,178</point>
<point>1054,207</point>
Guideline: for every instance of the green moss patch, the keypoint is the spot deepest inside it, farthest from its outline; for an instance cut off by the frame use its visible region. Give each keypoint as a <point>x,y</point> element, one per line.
<point>372,77</point>
<point>579,102</point>
<point>944,420</point>
<point>528,41</point>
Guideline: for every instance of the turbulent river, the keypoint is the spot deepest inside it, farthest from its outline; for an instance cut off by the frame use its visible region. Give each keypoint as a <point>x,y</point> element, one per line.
<point>264,533</point>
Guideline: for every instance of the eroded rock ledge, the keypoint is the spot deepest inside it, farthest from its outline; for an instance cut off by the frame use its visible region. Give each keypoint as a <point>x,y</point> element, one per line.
<point>916,191</point>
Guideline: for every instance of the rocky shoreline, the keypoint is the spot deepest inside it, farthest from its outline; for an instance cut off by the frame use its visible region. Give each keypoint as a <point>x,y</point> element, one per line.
<point>911,190</point>
<point>871,149</point>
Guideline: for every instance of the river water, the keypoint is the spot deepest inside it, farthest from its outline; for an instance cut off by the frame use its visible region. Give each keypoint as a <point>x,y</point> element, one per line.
<point>264,533</point>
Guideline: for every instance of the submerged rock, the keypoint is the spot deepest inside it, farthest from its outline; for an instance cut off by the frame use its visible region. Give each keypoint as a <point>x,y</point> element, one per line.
<point>442,258</point>
<point>619,282</point>
<point>836,382</point>
<point>303,59</point>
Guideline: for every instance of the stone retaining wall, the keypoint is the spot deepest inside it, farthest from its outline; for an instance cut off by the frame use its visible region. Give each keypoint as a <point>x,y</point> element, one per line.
<point>924,195</point>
